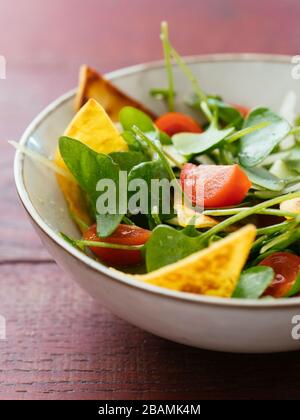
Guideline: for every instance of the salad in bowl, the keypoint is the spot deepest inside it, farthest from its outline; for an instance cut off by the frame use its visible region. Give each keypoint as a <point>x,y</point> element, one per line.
<point>205,201</point>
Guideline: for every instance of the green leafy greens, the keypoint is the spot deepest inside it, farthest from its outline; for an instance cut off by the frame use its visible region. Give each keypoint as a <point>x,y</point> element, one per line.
<point>88,167</point>
<point>193,143</point>
<point>253,282</point>
<point>256,146</point>
<point>259,143</point>
<point>168,245</point>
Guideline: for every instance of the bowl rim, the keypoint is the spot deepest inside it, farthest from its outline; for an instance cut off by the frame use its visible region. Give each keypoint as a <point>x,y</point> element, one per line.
<point>116,275</point>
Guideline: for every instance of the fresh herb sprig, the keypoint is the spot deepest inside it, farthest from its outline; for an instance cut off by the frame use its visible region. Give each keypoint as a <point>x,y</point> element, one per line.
<point>169,93</point>
<point>248,212</point>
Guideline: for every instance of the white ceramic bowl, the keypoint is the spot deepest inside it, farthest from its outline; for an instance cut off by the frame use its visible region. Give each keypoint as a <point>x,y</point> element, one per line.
<point>212,323</point>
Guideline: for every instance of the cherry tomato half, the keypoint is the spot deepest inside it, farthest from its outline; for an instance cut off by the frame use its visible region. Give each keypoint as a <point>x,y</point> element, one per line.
<point>286,267</point>
<point>220,185</point>
<point>176,122</point>
<point>123,235</point>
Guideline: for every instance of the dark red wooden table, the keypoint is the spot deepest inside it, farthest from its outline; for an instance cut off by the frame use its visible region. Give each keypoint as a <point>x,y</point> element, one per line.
<point>60,343</point>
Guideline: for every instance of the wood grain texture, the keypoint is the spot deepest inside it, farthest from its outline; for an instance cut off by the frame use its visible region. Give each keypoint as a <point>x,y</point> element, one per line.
<point>60,343</point>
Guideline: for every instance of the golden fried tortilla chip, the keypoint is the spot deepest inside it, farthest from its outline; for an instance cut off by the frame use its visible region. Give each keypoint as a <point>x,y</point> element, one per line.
<point>93,85</point>
<point>212,271</point>
<point>186,216</point>
<point>92,126</point>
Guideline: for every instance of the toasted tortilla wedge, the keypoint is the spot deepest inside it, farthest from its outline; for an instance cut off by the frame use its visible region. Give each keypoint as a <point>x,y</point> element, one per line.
<point>93,85</point>
<point>186,216</point>
<point>212,271</point>
<point>93,127</point>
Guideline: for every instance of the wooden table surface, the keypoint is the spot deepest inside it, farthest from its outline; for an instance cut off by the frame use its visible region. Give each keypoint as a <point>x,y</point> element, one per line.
<point>60,343</point>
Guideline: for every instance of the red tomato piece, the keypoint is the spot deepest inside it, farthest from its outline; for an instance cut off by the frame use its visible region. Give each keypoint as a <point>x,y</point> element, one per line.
<point>286,267</point>
<point>218,185</point>
<point>242,109</point>
<point>176,122</point>
<point>123,235</point>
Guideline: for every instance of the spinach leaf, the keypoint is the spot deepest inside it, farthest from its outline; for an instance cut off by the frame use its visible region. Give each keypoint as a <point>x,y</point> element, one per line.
<point>253,282</point>
<point>156,147</point>
<point>168,245</point>
<point>147,172</point>
<point>295,289</point>
<point>88,167</point>
<point>108,223</point>
<point>127,160</point>
<point>84,164</point>
<point>130,116</point>
<point>256,146</point>
<point>133,144</point>
<point>193,143</point>
<point>264,178</point>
